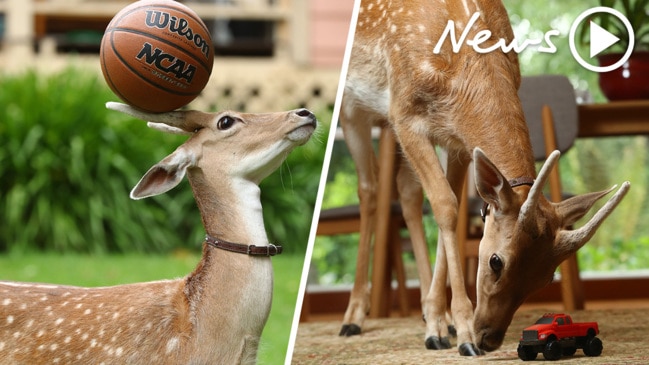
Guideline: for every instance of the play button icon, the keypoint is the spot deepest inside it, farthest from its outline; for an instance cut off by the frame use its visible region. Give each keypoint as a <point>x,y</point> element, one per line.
<point>600,39</point>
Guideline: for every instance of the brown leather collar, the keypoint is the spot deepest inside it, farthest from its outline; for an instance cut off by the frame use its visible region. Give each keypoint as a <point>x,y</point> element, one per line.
<point>252,250</point>
<point>524,180</point>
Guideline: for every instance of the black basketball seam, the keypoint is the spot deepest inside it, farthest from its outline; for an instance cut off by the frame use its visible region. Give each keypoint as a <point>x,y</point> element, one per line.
<point>114,87</point>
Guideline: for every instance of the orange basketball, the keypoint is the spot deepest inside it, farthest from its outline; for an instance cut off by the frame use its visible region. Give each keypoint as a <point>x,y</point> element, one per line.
<point>156,55</point>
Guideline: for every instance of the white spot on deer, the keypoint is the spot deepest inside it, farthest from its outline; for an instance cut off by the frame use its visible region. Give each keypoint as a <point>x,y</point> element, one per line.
<point>393,29</point>
<point>59,321</point>
<point>10,319</point>
<point>2,346</point>
<point>67,339</point>
<point>40,333</point>
<point>93,343</point>
<point>78,306</point>
<point>53,347</point>
<point>29,323</point>
<point>172,344</point>
<point>119,351</point>
<point>17,334</point>
<point>419,126</point>
<point>84,336</point>
<point>43,298</point>
<point>426,67</point>
<point>6,301</point>
<point>115,315</point>
<point>87,311</point>
<point>56,361</point>
<point>23,306</point>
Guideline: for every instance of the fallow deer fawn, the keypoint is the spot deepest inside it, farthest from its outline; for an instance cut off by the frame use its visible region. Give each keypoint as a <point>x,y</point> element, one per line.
<point>216,314</point>
<point>467,103</point>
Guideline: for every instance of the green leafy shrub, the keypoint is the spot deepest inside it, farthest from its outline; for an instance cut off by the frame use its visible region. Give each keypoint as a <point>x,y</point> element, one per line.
<point>67,165</point>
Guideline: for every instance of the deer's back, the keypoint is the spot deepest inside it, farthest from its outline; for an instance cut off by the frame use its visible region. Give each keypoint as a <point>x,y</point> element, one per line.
<point>50,324</point>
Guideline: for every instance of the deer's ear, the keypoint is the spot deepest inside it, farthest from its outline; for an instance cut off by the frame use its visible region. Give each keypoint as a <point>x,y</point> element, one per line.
<point>164,175</point>
<point>574,208</point>
<point>491,184</point>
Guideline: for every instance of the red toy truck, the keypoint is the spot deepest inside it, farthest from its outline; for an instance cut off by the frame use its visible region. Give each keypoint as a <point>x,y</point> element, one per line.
<point>555,334</point>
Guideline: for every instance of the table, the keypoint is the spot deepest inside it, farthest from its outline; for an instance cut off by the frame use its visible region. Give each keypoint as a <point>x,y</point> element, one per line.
<point>618,118</point>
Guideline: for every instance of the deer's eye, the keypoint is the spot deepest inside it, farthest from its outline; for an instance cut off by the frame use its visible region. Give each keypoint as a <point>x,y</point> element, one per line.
<point>225,123</point>
<point>496,264</point>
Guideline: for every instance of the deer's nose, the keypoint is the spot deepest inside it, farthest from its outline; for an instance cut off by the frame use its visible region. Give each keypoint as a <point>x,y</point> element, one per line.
<point>304,113</point>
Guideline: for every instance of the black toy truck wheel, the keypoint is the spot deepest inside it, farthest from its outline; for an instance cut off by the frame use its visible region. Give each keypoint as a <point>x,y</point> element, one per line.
<point>593,346</point>
<point>526,353</point>
<point>552,350</point>
<point>569,351</point>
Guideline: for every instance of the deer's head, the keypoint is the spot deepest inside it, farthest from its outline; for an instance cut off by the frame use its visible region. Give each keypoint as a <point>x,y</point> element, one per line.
<point>525,239</point>
<point>223,144</point>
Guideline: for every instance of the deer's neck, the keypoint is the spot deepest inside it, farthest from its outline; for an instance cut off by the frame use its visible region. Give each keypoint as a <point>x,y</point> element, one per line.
<point>231,211</point>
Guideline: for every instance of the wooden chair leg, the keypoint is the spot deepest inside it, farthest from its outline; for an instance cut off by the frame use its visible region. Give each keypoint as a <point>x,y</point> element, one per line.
<point>387,156</point>
<point>571,288</point>
<point>396,258</point>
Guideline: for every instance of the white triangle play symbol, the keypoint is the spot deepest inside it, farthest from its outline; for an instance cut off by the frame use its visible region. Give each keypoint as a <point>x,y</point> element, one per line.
<point>600,39</point>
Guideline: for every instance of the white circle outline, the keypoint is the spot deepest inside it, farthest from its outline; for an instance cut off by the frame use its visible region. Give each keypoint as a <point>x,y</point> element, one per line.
<point>573,30</point>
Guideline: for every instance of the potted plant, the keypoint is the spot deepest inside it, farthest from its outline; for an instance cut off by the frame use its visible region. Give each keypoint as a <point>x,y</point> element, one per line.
<point>631,81</point>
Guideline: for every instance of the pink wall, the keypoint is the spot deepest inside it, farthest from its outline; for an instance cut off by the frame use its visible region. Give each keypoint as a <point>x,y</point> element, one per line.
<point>329,27</point>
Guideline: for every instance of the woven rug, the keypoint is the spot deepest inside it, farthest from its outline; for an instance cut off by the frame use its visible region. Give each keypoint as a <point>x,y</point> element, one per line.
<point>624,333</point>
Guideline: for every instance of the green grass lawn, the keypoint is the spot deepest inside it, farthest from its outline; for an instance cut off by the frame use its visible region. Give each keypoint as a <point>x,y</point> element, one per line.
<point>121,269</point>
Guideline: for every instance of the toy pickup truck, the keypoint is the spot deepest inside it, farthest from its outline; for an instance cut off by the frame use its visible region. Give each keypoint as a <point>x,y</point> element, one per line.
<point>555,335</point>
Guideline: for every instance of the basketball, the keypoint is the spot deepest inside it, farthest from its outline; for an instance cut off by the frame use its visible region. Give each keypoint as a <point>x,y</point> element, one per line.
<point>156,55</point>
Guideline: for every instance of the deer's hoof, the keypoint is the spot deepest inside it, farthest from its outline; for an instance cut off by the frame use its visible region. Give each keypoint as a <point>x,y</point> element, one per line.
<point>436,343</point>
<point>469,349</point>
<point>350,330</point>
<point>452,331</point>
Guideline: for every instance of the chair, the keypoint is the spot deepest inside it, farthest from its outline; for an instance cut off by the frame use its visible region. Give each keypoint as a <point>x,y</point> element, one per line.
<point>551,114</point>
<point>344,220</point>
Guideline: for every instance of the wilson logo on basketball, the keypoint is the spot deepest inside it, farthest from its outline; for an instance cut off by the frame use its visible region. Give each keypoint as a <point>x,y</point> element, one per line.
<point>163,20</point>
<point>167,63</point>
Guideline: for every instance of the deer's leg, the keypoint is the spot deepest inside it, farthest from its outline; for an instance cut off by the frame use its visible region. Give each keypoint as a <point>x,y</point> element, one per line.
<point>411,197</point>
<point>421,153</point>
<point>455,174</point>
<point>359,142</point>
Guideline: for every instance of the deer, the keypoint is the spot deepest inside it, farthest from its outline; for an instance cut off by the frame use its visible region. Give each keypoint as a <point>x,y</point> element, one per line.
<point>213,315</point>
<point>447,94</point>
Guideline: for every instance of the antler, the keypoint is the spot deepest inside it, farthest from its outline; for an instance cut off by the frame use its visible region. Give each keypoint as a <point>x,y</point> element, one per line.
<point>531,203</point>
<point>176,122</point>
<point>574,239</point>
